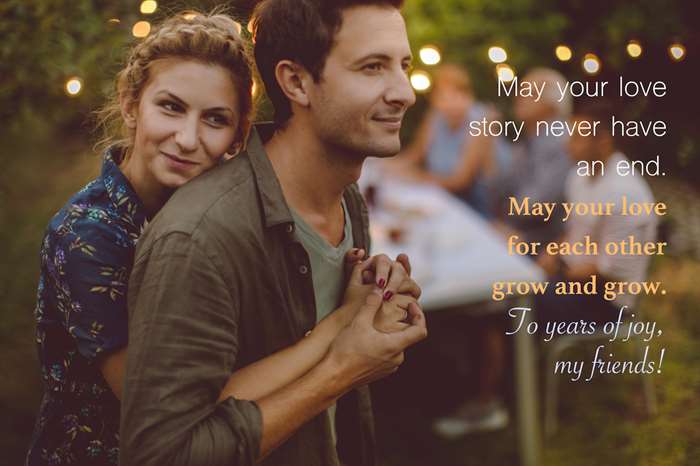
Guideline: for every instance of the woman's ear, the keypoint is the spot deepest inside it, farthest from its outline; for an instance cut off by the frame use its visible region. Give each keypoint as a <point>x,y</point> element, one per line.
<point>129,111</point>
<point>293,79</point>
<point>233,151</point>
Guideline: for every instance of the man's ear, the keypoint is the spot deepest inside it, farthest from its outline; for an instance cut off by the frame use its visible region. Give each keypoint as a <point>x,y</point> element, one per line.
<point>294,81</point>
<point>129,110</point>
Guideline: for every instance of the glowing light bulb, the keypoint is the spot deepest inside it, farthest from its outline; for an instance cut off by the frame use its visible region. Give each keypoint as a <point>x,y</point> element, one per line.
<point>420,80</point>
<point>591,63</point>
<point>677,51</point>
<point>141,29</point>
<point>73,86</point>
<point>430,55</point>
<point>148,7</point>
<point>505,73</point>
<point>497,54</point>
<point>634,49</point>
<point>563,53</point>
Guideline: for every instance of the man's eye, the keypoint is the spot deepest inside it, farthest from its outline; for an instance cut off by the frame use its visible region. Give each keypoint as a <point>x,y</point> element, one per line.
<point>377,66</point>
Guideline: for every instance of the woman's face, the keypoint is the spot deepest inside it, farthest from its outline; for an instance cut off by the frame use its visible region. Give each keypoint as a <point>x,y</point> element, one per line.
<point>185,121</point>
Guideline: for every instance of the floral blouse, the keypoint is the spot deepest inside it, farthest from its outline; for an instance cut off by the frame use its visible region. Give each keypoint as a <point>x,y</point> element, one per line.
<point>86,259</point>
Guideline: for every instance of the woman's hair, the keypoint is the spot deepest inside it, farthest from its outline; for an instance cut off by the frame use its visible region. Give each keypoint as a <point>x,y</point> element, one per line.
<point>552,80</point>
<point>212,38</point>
<point>454,76</point>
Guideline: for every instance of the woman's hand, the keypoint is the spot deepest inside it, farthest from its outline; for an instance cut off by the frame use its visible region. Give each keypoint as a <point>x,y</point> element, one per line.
<point>392,277</point>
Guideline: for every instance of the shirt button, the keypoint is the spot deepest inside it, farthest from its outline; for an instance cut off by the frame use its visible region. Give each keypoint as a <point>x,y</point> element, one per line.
<point>290,228</point>
<point>303,269</point>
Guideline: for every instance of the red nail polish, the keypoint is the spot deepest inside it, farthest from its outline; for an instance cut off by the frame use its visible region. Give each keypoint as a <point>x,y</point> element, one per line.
<point>381,283</point>
<point>388,295</point>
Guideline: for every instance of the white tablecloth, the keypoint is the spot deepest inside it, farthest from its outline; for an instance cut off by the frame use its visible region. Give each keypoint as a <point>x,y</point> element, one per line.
<point>455,254</point>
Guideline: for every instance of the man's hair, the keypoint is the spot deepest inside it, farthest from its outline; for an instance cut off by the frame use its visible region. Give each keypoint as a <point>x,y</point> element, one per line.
<point>302,31</point>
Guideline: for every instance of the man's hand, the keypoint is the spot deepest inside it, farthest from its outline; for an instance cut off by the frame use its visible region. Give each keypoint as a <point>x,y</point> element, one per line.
<point>393,315</point>
<point>363,354</point>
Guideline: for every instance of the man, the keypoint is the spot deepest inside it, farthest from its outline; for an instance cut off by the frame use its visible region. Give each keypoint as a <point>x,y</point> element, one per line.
<point>223,276</point>
<point>599,188</point>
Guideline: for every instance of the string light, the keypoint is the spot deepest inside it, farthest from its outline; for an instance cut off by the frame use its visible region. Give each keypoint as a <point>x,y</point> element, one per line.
<point>676,51</point>
<point>634,49</point>
<point>141,29</point>
<point>73,86</point>
<point>148,7</point>
<point>504,72</point>
<point>113,21</point>
<point>591,63</point>
<point>430,55</point>
<point>563,53</point>
<point>420,80</point>
<point>497,54</point>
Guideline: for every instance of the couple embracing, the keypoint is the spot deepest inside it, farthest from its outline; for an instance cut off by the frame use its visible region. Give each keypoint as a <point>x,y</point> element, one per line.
<point>253,319</point>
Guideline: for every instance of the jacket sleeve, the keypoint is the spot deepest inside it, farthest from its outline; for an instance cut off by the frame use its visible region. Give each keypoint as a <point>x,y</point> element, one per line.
<point>183,327</point>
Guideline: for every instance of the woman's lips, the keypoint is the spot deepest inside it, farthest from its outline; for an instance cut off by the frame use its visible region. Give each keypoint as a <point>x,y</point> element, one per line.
<point>178,162</point>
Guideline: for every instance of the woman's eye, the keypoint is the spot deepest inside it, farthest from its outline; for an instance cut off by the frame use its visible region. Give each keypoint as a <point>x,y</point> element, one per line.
<point>407,68</point>
<point>217,120</point>
<point>171,106</point>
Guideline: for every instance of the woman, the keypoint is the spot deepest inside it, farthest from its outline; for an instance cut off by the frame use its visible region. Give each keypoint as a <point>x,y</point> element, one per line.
<point>444,153</point>
<point>170,132</point>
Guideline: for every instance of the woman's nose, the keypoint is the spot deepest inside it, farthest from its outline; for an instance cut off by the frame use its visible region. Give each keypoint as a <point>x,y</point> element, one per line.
<point>188,135</point>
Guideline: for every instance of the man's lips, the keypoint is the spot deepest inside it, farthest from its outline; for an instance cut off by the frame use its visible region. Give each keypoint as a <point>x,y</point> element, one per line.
<point>390,121</point>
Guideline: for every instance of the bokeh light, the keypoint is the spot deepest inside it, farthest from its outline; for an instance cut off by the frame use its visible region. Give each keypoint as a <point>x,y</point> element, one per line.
<point>420,80</point>
<point>591,63</point>
<point>563,53</point>
<point>73,86</point>
<point>504,72</point>
<point>497,54</point>
<point>676,51</point>
<point>634,49</point>
<point>141,29</point>
<point>148,7</point>
<point>430,55</point>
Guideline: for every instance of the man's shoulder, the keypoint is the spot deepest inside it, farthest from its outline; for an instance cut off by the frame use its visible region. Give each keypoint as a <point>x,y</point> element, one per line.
<point>217,202</point>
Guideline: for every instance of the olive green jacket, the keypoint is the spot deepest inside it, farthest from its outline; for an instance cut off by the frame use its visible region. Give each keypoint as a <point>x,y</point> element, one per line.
<point>220,281</point>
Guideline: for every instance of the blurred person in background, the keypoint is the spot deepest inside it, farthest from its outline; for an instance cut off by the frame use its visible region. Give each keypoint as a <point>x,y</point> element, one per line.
<point>444,153</point>
<point>601,187</point>
<point>540,161</point>
<point>539,168</point>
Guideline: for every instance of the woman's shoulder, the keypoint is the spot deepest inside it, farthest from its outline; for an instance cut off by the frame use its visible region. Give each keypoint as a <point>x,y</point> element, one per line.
<point>90,221</point>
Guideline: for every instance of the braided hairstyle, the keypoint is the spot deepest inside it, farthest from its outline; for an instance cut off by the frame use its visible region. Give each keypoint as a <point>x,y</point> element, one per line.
<point>212,39</point>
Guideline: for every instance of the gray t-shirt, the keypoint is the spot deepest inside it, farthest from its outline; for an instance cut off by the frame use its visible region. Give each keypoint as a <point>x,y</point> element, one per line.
<point>327,263</point>
<point>327,270</point>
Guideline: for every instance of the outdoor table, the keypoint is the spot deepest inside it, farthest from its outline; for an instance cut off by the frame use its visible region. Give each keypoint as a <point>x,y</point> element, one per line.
<point>455,257</point>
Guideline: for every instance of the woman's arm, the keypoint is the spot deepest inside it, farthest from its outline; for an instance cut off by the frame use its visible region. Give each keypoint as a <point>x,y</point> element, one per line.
<point>288,364</point>
<point>474,160</point>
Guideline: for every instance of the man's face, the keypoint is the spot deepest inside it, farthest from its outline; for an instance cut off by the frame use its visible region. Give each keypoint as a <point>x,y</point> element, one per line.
<point>364,91</point>
<point>586,148</point>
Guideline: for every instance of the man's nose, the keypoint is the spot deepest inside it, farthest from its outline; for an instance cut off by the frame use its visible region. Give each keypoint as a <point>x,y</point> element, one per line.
<point>187,135</point>
<point>400,91</point>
